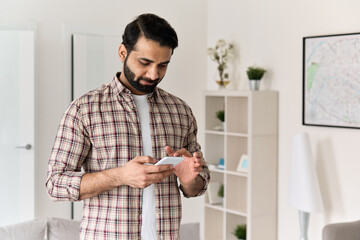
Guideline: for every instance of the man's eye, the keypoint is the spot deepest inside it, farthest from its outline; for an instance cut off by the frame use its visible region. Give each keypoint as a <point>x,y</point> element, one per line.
<point>162,65</point>
<point>144,63</point>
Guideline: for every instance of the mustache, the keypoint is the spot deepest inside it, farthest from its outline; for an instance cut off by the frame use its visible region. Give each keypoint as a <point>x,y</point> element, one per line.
<point>148,80</point>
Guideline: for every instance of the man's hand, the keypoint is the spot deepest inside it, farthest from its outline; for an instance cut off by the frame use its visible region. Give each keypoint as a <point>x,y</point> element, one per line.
<point>136,174</point>
<point>188,170</point>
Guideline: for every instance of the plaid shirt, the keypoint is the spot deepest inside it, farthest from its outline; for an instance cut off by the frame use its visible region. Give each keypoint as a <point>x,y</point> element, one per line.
<point>101,130</point>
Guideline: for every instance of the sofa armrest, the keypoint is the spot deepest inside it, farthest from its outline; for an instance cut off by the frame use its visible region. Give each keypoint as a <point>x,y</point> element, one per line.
<point>29,230</point>
<point>59,229</point>
<point>190,231</point>
<point>342,231</point>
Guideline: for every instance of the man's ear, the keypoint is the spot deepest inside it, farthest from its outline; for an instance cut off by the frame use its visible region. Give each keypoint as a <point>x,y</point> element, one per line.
<point>122,52</point>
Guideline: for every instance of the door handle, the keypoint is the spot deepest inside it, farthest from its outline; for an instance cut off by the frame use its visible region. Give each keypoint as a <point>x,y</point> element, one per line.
<point>27,146</point>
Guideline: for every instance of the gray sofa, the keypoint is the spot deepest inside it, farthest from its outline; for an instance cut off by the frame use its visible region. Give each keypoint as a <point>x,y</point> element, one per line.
<point>65,229</point>
<point>342,231</point>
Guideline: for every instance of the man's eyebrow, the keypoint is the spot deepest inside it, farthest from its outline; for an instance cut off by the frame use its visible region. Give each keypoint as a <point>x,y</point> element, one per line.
<point>151,61</point>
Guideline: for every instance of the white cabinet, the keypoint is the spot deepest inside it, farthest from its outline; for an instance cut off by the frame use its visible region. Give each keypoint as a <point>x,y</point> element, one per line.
<point>251,128</point>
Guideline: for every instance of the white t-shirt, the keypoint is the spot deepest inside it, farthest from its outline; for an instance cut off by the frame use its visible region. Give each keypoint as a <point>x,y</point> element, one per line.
<point>148,227</point>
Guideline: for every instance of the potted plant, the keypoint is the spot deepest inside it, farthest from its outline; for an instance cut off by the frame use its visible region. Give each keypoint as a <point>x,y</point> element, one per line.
<point>240,232</point>
<point>255,74</point>
<point>221,116</point>
<point>221,191</point>
<point>221,54</point>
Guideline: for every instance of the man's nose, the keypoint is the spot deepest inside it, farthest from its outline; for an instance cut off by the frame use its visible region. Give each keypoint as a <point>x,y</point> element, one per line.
<point>152,73</point>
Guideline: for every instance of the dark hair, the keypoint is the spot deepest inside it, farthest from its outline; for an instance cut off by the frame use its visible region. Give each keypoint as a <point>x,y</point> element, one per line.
<point>151,27</point>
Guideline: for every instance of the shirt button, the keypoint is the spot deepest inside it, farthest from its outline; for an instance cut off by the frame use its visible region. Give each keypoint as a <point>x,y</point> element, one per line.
<point>139,131</point>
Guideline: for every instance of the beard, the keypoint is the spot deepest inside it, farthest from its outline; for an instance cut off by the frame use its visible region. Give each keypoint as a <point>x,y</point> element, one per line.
<point>135,83</point>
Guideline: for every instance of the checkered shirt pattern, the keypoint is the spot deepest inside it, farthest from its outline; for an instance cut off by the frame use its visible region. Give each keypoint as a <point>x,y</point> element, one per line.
<point>101,130</point>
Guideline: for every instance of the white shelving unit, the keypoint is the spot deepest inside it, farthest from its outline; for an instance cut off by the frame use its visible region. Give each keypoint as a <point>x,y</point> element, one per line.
<point>251,128</point>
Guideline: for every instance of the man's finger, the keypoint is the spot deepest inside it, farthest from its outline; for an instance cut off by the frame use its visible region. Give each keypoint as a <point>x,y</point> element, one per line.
<point>169,151</point>
<point>198,154</point>
<point>182,152</point>
<point>159,168</point>
<point>145,159</point>
<point>202,162</point>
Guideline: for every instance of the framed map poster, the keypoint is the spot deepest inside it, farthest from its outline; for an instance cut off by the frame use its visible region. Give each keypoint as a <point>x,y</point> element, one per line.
<point>331,80</point>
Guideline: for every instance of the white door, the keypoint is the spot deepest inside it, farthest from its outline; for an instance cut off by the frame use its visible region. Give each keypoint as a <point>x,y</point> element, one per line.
<point>95,62</point>
<point>17,177</point>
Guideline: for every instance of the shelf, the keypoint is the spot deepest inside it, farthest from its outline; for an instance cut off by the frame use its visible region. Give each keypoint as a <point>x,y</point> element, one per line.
<point>216,93</point>
<point>232,221</point>
<point>238,213</point>
<point>217,170</point>
<point>237,134</point>
<point>222,133</point>
<point>218,207</point>
<point>241,174</point>
<point>213,104</point>
<point>236,194</point>
<point>214,222</point>
<point>214,149</point>
<point>235,173</point>
<point>250,197</point>
<point>238,108</point>
<point>236,147</point>
<point>215,132</point>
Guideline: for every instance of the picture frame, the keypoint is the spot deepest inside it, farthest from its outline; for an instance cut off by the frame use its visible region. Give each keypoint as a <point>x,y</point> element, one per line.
<point>331,81</point>
<point>243,165</point>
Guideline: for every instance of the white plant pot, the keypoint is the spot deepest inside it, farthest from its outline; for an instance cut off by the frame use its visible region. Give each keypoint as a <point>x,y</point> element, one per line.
<point>254,85</point>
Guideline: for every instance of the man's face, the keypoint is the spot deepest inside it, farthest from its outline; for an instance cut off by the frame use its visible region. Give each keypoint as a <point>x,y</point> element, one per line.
<point>145,66</point>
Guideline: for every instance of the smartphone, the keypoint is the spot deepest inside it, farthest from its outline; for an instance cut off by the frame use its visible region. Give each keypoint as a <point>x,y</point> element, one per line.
<point>170,160</point>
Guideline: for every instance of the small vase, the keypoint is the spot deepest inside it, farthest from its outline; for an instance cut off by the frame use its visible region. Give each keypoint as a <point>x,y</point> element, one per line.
<point>254,85</point>
<point>222,84</point>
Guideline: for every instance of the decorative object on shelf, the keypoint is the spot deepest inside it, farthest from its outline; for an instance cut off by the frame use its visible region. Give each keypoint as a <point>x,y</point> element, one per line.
<point>331,80</point>
<point>211,166</point>
<point>304,191</point>
<point>221,116</point>
<point>221,54</point>
<point>221,164</point>
<point>243,165</point>
<point>255,74</point>
<point>213,189</point>
<point>221,191</point>
<point>240,232</point>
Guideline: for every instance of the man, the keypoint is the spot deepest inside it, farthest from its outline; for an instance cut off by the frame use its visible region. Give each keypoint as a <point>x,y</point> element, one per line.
<point>117,132</point>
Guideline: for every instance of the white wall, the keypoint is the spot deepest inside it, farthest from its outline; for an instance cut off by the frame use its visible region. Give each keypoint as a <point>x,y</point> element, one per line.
<point>185,76</point>
<point>269,33</point>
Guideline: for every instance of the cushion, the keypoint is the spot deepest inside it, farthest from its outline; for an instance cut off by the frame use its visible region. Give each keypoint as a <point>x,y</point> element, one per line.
<point>190,231</point>
<point>342,231</point>
<point>29,230</point>
<point>63,229</point>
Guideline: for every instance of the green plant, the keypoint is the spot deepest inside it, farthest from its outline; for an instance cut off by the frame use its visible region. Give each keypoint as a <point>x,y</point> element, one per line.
<point>255,73</point>
<point>221,191</point>
<point>221,115</point>
<point>240,231</point>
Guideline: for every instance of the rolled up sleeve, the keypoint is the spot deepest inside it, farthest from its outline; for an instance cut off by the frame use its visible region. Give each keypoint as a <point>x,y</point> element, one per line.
<point>70,149</point>
<point>193,146</point>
